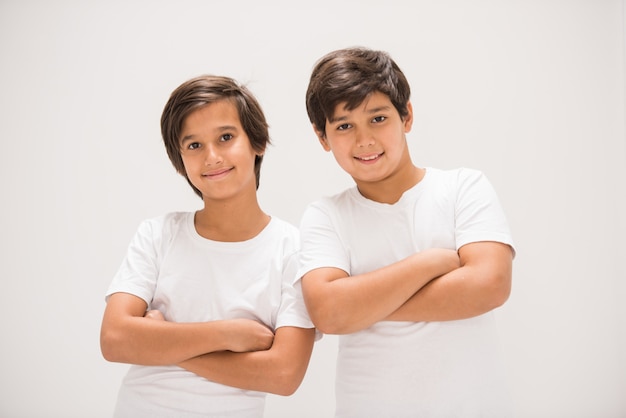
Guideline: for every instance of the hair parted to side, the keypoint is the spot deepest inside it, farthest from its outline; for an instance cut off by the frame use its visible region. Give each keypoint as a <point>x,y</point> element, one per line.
<point>201,91</point>
<point>349,76</point>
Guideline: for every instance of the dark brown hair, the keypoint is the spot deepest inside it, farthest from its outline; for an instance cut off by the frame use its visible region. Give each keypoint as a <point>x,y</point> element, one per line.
<point>349,76</point>
<point>201,91</point>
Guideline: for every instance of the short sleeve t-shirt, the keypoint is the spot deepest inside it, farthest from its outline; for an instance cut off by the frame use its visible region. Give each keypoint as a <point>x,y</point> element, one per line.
<point>412,369</point>
<point>192,279</point>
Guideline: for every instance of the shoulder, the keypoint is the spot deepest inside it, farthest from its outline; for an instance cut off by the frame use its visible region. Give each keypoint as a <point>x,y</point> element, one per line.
<point>328,211</point>
<point>281,233</point>
<point>465,175</point>
<point>454,175</point>
<point>339,201</point>
<point>171,219</point>
<point>164,226</point>
<point>284,228</point>
<point>457,180</point>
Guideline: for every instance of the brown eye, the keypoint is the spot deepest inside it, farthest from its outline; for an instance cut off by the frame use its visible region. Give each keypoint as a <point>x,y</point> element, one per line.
<point>379,119</point>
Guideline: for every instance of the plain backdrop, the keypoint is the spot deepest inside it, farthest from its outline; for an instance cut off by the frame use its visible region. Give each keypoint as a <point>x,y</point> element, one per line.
<point>529,91</point>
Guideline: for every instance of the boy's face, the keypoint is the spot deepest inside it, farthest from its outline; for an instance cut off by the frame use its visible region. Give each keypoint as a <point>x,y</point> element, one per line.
<point>216,152</point>
<point>369,142</point>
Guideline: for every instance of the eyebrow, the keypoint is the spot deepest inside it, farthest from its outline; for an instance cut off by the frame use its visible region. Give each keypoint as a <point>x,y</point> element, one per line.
<point>334,119</point>
<point>220,129</point>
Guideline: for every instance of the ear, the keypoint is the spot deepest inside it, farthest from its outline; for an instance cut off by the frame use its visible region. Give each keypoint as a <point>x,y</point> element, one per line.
<point>408,119</point>
<point>321,136</point>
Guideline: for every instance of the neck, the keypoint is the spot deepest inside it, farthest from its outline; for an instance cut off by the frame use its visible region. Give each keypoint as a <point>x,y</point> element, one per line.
<point>232,220</point>
<point>390,189</point>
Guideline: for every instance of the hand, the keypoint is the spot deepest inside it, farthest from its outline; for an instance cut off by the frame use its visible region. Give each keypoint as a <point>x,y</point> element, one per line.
<point>154,314</point>
<point>242,334</point>
<point>248,335</point>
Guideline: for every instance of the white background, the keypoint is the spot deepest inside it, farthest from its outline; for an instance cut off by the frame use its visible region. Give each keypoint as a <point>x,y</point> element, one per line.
<point>529,91</point>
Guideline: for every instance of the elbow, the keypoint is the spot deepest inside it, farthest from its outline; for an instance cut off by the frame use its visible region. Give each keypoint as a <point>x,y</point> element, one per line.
<point>288,381</point>
<point>328,318</point>
<point>330,322</point>
<point>502,297</point>
<point>326,310</point>
<point>110,347</point>
<point>499,289</point>
<point>108,350</point>
<point>323,325</point>
<point>331,327</point>
<point>288,370</point>
<point>287,389</point>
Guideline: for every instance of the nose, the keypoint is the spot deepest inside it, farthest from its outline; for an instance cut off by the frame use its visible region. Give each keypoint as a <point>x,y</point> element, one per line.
<point>364,138</point>
<point>212,156</point>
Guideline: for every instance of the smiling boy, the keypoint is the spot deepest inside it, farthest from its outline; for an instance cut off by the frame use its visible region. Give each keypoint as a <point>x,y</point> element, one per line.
<point>408,265</point>
<point>204,305</point>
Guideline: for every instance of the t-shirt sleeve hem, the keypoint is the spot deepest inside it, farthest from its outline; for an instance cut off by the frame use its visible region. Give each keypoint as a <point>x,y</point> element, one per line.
<point>135,291</point>
<point>481,237</point>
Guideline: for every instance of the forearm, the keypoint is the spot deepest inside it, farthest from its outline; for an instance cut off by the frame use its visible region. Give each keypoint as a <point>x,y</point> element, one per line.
<point>480,285</point>
<point>342,305</point>
<point>279,370</point>
<point>144,341</point>
<point>453,296</point>
<point>127,336</point>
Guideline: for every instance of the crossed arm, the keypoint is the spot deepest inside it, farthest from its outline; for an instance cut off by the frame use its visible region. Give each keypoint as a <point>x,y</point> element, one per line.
<point>278,370</point>
<point>432,285</point>
<point>240,352</point>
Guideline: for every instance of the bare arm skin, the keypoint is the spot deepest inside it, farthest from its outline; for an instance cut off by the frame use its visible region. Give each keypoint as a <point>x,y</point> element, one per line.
<point>127,337</point>
<point>342,304</point>
<point>279,370</point>
<point>482,283</point>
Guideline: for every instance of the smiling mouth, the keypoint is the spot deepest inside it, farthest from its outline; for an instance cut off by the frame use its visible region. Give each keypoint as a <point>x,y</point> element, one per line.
<point>218,173</point>
<point>368,158</point>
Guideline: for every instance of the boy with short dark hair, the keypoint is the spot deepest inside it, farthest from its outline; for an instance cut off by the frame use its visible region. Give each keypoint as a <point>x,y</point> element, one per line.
<point>204,305</point>
<point>408,265</point>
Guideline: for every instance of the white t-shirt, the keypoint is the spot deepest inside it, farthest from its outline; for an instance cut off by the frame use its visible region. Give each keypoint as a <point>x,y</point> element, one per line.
<point>192,279</point>
<point>412,369</point>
